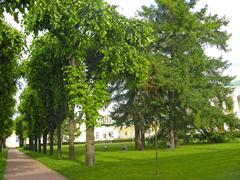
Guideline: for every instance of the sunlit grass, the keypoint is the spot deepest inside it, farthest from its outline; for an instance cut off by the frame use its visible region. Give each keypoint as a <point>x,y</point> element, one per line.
<point>212,161</point>
<point>3,157</point>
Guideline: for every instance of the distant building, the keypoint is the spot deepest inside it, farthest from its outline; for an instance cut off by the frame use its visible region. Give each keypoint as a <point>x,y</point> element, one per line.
<point>12,141</point>
<point>236,97</point>
<point>105,130</point>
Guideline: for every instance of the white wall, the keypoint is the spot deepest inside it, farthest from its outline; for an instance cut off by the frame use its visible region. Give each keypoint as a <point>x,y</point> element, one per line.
<point>12,141</point>
<point>236,103</point>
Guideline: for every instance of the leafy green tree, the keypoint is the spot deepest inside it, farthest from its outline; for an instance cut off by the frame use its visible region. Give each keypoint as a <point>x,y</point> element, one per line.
<point>14,7</point>
<point>20,128</point>
<point>44,73</point>
<point>30,109</point>
<point>11,43</point>
<point>99,45</point>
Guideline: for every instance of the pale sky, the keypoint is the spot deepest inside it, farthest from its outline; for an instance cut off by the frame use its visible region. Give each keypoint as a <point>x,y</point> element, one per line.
<point>229,8</point>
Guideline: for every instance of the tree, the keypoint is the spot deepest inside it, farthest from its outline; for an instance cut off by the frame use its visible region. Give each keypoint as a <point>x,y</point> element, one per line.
<point>30,109</point>
<point>11,43</point>
<point>88,34</point>
<point>190,78</point>
<point>129,109</point>
<point>44,73</point>
<point>20,128</point>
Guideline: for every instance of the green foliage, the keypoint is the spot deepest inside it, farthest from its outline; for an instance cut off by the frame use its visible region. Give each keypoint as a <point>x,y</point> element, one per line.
<point>186,87</point>
<point>11,43</point>
<point>14,7</point>
<point>103,45</point>
<point>21,127</point>
<point>30,108</point>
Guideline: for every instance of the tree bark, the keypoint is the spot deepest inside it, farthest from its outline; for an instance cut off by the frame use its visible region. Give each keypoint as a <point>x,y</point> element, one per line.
<point>1,144</point>
<point>172,139</point>
<point>171,118</point>
<point>142,139</point>
<point>90,146</point>
<point>39,143</point>
<point>59,141</point>
<point>176,140</point>
<point>31,143</point>
<point>72,63</point>
<point>51,133</point>
<point>20,141</point>
<point>137,136</point>
<point>36,144</point>
<point>44,142</point>
<point>71,137</point>
<point>156,149</point>
<point>4,143</point>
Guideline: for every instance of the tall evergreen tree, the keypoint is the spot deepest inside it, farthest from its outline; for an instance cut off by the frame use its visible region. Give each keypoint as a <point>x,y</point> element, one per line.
<point>190,78</point>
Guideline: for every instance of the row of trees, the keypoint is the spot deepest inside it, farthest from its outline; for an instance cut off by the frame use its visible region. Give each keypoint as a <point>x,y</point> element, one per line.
<point>11,44</point>
<point>72,62</point>
<point>153,67</point>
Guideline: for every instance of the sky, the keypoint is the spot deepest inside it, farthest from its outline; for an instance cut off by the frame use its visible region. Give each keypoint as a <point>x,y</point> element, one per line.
<point>229,8</point>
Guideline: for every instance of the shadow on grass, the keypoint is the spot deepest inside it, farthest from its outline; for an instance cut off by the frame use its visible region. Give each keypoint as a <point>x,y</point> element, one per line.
<point>187,162</point>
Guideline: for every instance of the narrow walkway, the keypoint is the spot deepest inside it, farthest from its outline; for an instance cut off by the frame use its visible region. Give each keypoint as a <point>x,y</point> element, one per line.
<point>22,167</point>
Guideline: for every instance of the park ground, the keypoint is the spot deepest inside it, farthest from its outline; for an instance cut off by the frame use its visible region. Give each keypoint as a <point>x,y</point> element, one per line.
<point>202,161</point>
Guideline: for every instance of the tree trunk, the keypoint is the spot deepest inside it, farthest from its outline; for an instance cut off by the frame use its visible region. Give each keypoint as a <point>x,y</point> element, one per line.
<point>39,144</point>
<point>59,141</point>
<point>20,141</point>
<point>72,63</point>
<point>51,133</point>
<point>31,143</point>
<point>156,149</point>
<point>1,144</point>
<point>176,142</point>
<point>90,148</point>
<point>142,139</point>
<point>36,144</point>
<point>137,136</point>
<point>71,137</point>
<point>172,139</point>
<point>44,142</point>
<point>171,118</point>
<point>4,143</point>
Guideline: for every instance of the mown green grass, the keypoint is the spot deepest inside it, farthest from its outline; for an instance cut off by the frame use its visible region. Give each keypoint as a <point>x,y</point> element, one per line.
<point>205,162</point>
<point>3,157</point>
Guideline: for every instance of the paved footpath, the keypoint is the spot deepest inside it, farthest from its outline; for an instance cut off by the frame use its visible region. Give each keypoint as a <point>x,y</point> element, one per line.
<point>22,167</point>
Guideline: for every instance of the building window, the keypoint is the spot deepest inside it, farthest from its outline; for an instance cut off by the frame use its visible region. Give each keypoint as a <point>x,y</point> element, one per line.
<point>119,135</point>
<point>110,134</point>
<point>104,120</point>
<point>97,135</point>
<point>99,120</point>
<point>104,136</point>
<point>17,139</point>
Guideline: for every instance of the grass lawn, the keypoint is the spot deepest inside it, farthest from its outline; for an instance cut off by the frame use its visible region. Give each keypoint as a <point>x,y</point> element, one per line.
<point>3,157</point>
<point>207,161</point>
